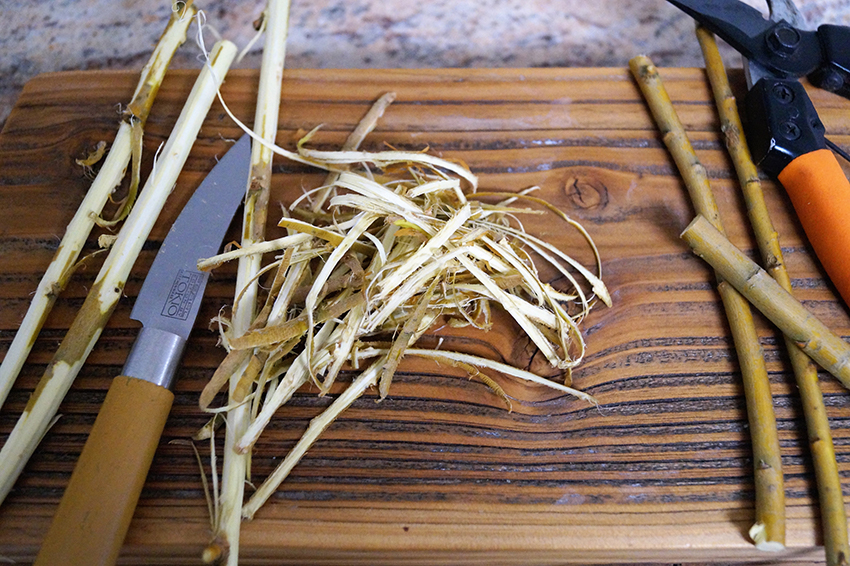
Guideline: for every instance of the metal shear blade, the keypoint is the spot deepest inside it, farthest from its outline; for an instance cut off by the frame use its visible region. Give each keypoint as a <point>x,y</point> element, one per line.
<point>778,47</point>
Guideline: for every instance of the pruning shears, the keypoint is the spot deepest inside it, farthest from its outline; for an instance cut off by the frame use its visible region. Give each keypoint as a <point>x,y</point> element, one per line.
<point>784,133</point>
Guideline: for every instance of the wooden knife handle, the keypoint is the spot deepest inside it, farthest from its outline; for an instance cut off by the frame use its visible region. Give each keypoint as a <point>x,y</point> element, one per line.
<point>820,194</point>
<point>95,511</point>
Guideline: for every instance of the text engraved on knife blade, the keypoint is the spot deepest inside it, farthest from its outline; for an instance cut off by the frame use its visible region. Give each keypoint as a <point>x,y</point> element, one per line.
<point>182,295</point>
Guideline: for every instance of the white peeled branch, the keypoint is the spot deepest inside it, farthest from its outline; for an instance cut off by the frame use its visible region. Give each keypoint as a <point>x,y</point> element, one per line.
<point>109,284</point>
<point>56,276</point>
<point>235,468</point>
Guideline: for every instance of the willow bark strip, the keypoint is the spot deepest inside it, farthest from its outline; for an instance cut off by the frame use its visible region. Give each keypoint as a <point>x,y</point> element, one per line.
<point>297,375</point>
<point>208,264</point>
<point>363,224</point>
<point>109,284</point>
<point>294,328</point>
<point>306,229</point>
<point>236,466</point>
<point>56,276</point>
<point>405,339</point>
<point>357,388</point>
<point>479,362</point>
<point>353,141</point>
<point>768,531</point>
<point>833,514</point>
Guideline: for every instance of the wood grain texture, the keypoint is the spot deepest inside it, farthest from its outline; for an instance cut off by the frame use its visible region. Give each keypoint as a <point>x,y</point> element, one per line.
<point>439,472</point>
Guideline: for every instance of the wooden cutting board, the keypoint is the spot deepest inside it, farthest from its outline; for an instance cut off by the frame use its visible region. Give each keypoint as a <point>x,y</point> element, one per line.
<point>440,472</point>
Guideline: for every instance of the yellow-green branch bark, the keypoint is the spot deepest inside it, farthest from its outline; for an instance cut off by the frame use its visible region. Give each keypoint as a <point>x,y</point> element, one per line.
<point>833,514</point>
<point>778,305</point>
<point>769,528</point>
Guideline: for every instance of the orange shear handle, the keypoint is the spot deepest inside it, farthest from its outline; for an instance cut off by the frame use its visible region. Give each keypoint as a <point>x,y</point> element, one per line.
<point>820,193</point>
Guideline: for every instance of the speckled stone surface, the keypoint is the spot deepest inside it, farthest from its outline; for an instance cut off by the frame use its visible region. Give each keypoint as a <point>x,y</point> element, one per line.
<point>55,35</point>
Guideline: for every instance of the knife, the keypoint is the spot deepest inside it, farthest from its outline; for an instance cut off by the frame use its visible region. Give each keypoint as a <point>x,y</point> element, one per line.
<point>95,511</point>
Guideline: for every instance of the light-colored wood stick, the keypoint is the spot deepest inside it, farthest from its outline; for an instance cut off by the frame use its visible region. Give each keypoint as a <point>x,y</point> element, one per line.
<point>768,531</point>
<point>56,276</point>
<point>236,465</point>
<point>109,284</point>
<point>833,514</point>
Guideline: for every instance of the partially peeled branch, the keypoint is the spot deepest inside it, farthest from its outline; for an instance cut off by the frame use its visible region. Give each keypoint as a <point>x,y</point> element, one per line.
<point>127,143</point>
<point>109,285</point>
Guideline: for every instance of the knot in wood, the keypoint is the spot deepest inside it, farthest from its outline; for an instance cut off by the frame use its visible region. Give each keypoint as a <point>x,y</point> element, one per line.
<point>587,193</point>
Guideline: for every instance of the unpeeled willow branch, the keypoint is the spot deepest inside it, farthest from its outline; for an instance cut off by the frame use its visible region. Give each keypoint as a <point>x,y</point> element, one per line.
<point>833,514</point>
<point>769,529</point>
<point>236,466</point>
<point>56,276</point>
<point>109,284</point>
<point>780,307</point>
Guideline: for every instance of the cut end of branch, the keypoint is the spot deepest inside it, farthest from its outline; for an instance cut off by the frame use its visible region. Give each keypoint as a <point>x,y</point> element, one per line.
<point>758,534</point>
<point>213,553</point>
<point>643,67</point>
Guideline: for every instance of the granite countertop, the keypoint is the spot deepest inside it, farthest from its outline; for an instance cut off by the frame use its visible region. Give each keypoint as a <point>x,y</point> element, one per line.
<point>55,35</point>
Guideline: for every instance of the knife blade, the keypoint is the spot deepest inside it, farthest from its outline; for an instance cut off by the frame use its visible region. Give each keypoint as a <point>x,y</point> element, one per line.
<point>170,297</point>
<point>95,511</point>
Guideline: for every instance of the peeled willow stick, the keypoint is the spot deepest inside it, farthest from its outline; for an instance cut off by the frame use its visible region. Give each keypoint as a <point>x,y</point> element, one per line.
<point>56,276</point>
<point>109,284</point>
<point>768,532</point>
<point>833,514</point>
<point>236,466</point>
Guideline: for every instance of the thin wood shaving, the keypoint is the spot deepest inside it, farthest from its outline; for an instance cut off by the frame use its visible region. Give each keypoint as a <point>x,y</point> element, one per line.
<point>399,243</point>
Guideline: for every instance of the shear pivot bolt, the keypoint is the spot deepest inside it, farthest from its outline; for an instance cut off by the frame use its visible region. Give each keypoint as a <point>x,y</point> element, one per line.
<point>832,80</point>
<point>783,39</point>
